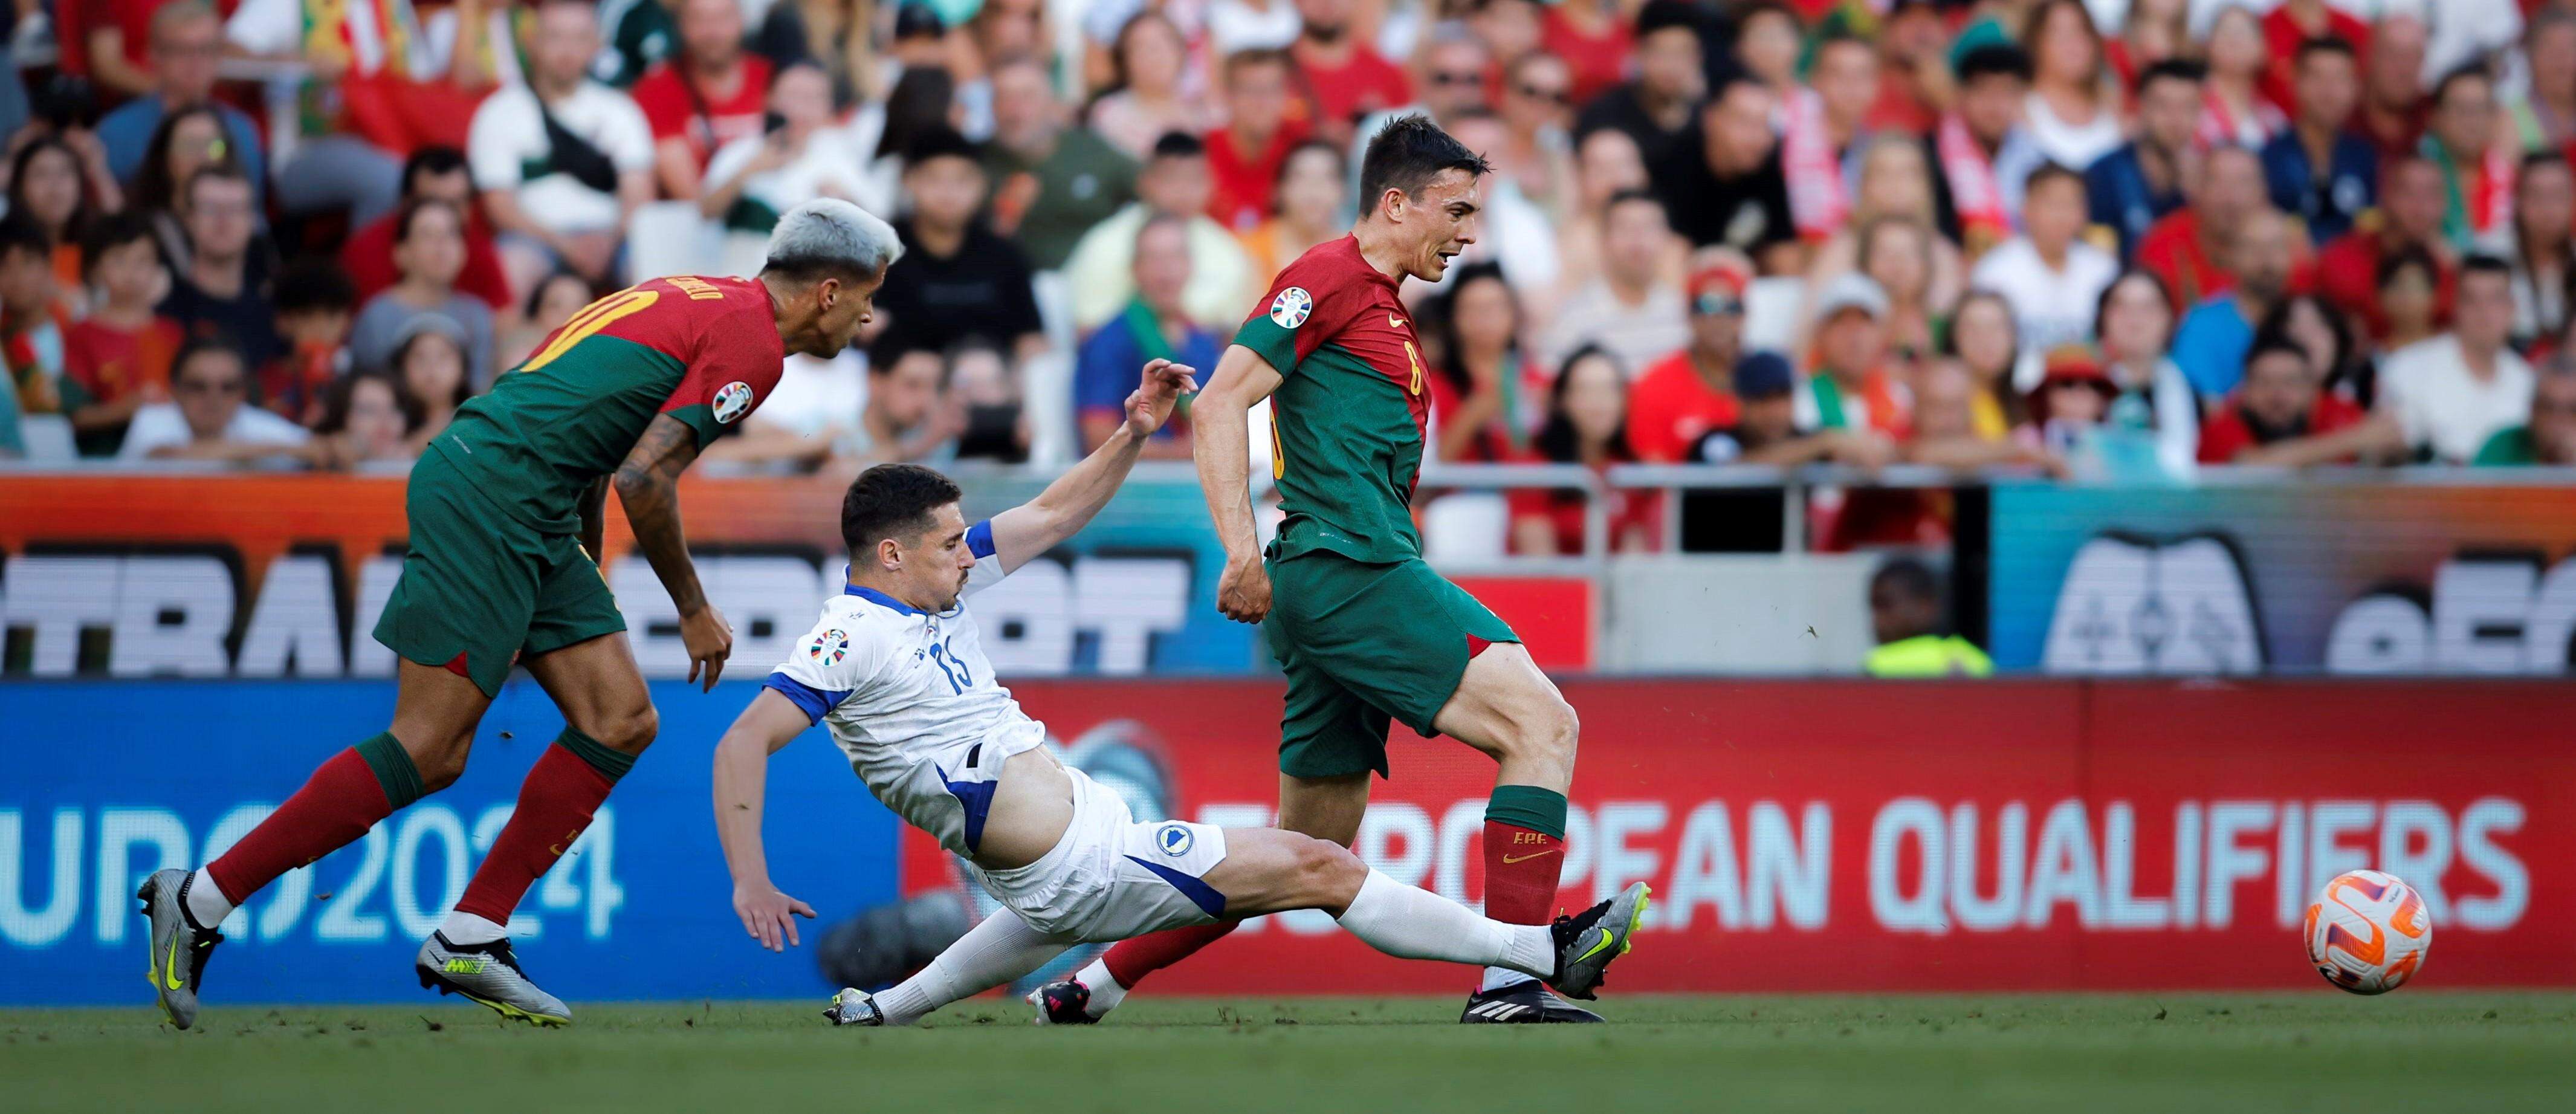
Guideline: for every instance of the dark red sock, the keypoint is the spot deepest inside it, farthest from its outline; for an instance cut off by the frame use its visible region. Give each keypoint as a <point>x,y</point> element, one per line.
<point>343,798</point>
<point>555,805</point>
<point>1129,961</point>
<point>1521,867</point>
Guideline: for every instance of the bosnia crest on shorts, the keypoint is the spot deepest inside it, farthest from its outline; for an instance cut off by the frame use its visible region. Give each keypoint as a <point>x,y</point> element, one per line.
<point>733,400</point>
<point>1290,308</point>
<point>829,647</point>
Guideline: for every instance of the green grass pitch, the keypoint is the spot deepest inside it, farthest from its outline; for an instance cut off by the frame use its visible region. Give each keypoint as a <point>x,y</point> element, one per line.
<point>2190,1053</point>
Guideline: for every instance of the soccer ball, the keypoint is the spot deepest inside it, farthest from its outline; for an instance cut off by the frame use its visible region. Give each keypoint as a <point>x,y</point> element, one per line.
<point>2368,932</point>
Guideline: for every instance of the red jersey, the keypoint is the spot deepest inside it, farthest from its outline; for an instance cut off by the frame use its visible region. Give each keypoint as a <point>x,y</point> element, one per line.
<point>368,257</point>
<point>2227,434</point>
<point>112,364</point>
<point>1671,407</point>
<point>1342,94</point>
<point>2283,34</point>
<point>2348,279</point>
<point>1599,60</point>
<point>1241,199</point>
<point>706,122</point>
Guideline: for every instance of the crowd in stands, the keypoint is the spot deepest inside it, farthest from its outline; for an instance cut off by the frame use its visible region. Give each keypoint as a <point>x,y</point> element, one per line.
<point>2091,238</point>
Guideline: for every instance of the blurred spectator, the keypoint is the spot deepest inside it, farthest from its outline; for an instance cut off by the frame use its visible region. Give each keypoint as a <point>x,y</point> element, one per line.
<point>956,279</point>
<point>186,40</point>
<point>1905,609</point>
<point>2281,415</point>
<point>2468,32</point>
<point>1144,100</point>
<point>924,101</point>
<point>1895,187</point>
<point>1235,26</point>
<point>1457,71</point>
<point>381,80</point>
<point>1345,78</point>
<point>1766,427</point>
<point>1511,229</point>
<point>754,180</point>
<point>2210,345</point>
<point>212,418</point>
<point>1914,52</point>
<point>222,290</point>
<point>1655,109</point>
<point>54,183</point>
<point>2287,31</point>
<point>429,250</point>
<point>434,173</point>
<point>2136,326</point>
<point>1594,39</point>
<point>2477,171</point>
<point>1537,154</point>
<point>1310,207</point>
<point>1154,326</point>
<point>1902,255</point>
<point>2152,31</point>
<point>2319,169</point>
<point>1055,179</point>
<point>1174,183</point>
<point>2074,108</point>
<point>1483,377</point>
<point>1824,123</point>
<point>2549,436</point>
<point>2236,112</point>
<point>428,363</point>
<point>32,325</point>
<point>369,419</point>
<point>1684,396</point>
<point>2448,395</point>
<point>316,305</point>
<point>1245,157</point>
<point>556,298</point>
<point>562,161</point>
<point>2141,181</point>
<point>905,418</point>
<point>1984,152</point>
<point>710,93</point>
<point>117,360</point>
<point>2410,298</point>
<point>1769,43</point>
<point>1605,165</point>
<point>1631,310</point>
<point>986,396</point>
<point>2541,251</point>
<point>1985,343</point>
<point>2393,107</point>
<point>2409,218</point>
<point>1728,183</point>
<point>1586,425</point>
<point>111,38</point>
<point>638,35</point>
<point>1851,388</point>
<point>2053,280</point>
<point>838,35</point>
<point>188,140</point>
<point>2335,355</point>
<point>1947,431</point>
<point>2544,118</point>
<point>2069,410</point>
<point>2190,249</point>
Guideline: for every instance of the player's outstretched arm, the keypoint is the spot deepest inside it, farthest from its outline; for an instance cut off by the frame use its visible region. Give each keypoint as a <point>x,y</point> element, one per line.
<point>1069,503</point>
<point>1221,441</point>
<point>742,787</point>
<point>648,486</point>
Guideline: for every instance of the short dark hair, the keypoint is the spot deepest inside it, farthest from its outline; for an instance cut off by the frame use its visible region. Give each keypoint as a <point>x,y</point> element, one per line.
<point>1910,576</point>
<point>2269,343</point>
<point>343,392</point>
<point>197,346</point>
<point>411,211</point>
<point>1177,145</point>
<point>940,142</point>
<point>1635,193</point>
<point>2324,44</point>
<point>2172,69</point>
<point>1242,60</point>
<point>1341,162</point>
<point>2412,255</point>
<point>430,162</point>
<point>1407,154</point>
<point>2481,263</point>
<point>314,285</point>
<point>890,500</point>
<point>113,231</point>
<point>2048,171</point>
<point>2469,71</point>
<point>1664,15</point>
<point>20,231</point>
<point>1996,60</point>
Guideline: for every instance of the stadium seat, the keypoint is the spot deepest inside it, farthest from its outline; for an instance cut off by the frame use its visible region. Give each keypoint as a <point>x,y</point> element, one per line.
<point>49,438</point>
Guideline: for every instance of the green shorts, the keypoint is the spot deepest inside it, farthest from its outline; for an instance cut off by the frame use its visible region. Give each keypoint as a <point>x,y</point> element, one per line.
<point>1363,644</point>
<point>479,587</point>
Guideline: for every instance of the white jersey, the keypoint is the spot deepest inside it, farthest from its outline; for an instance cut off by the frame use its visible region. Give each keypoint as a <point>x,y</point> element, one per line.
<point>910,698</point>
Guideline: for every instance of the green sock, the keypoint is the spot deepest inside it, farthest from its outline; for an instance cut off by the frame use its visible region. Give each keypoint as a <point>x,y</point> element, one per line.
<point>611,763</point>
<point>1528,806</point>
<point>394,771</point>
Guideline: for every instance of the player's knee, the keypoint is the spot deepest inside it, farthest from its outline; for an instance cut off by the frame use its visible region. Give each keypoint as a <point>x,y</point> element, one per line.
<point>1327,872</point>
<point>440,761</point>
<point>1545,733</point>
<point>631,730</point>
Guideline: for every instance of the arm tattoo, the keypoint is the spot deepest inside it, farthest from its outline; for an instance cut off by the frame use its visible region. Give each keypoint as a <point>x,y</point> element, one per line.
<point>648,486</point>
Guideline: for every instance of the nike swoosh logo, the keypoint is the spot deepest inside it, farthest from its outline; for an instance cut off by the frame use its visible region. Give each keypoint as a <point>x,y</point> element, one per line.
<point>1508,860</point>
<point>170,966</point>
<point>1392,319</point>
<point>1607,938</point>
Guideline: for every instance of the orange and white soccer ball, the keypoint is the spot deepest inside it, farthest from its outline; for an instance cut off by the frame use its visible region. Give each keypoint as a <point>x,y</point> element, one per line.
<point>2368,932</point>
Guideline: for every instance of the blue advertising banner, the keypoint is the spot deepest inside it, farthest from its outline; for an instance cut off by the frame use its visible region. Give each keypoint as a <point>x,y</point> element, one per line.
<point>2339,577</point>
<point>109,781</point>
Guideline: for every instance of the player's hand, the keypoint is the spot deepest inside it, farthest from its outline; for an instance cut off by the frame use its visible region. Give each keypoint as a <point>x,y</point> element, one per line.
<point>1164,384</point>
<point>1243,593</point>
<point>770,916</point>
<point>709,639</point>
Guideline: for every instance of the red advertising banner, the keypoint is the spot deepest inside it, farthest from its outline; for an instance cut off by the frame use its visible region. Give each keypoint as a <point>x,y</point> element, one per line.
<point>1842,836</point>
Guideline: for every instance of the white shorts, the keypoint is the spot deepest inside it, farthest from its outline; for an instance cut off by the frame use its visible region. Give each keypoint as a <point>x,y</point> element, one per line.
<point>1111,878</point>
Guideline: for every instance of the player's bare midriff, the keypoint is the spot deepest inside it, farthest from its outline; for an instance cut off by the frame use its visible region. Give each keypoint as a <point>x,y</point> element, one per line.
<point>1032,807</point>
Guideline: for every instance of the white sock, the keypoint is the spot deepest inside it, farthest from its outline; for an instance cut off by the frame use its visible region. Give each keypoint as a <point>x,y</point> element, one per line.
<point>206,902</point>
<point>1411,923</point>
<point>1497,978</point>
<point>468,929</point>
<point>998,949</point>
<point>1105,991</point>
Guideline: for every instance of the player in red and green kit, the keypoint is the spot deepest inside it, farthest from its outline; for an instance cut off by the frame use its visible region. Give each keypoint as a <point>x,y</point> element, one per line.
<point>505,512</point>
<point>1365,630</point>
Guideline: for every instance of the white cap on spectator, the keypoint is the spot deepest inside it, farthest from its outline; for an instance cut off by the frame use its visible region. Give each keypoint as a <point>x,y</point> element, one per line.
<point>830,232</point>
<point>1852,290</point>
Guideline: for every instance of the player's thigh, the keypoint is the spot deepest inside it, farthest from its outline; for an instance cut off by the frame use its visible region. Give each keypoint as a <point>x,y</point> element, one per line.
<point>600,691</point>
<point>1398,636</point>
<point>1325,807</point>
<point>469,583</point>
<point>1267,870</point>
<point>1505,706</point>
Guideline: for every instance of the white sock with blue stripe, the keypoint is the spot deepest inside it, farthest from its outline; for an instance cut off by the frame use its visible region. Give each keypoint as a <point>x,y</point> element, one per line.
<point>1411,923</point>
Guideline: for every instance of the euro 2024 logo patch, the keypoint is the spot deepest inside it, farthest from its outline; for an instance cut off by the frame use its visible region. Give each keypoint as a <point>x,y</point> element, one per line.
<point>829,647</point>
<point>733,400</point>
<point>1290,308</point>
<point>1174,839</point>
